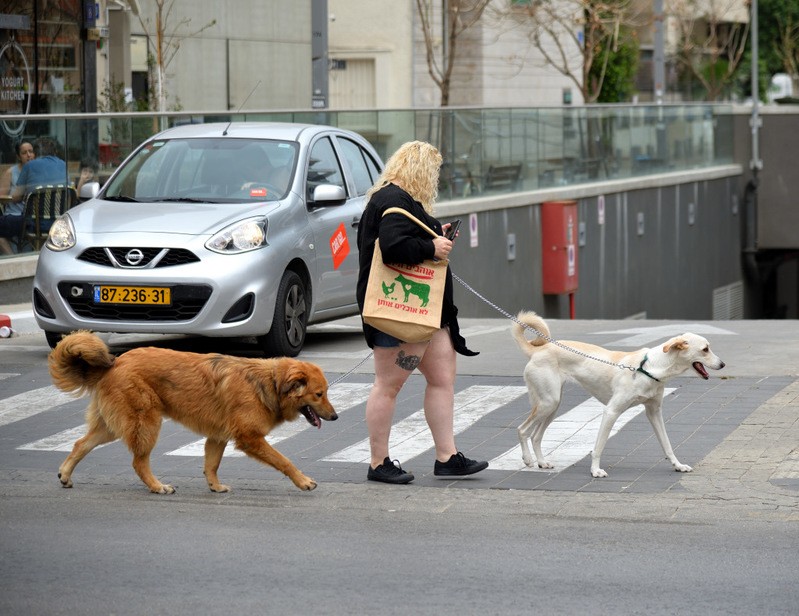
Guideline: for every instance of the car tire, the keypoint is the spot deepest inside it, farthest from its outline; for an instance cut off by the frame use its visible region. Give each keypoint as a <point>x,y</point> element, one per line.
<point>53,338</point>
<point>286,337</point>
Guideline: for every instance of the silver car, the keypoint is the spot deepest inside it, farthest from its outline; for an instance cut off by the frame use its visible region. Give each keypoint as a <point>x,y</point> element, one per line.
<point>241,229</point>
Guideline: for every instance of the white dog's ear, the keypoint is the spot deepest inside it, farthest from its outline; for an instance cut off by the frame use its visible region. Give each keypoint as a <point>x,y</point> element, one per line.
<point>678,344</point>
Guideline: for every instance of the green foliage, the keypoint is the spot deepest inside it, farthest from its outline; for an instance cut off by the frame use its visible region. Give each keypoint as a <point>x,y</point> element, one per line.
<point>743,78</point>
<point>112,98</point>
<point>772,16</point>
<point>618,85</point>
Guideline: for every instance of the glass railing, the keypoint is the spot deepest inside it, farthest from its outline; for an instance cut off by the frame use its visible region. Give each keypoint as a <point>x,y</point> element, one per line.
<point>486,151</point>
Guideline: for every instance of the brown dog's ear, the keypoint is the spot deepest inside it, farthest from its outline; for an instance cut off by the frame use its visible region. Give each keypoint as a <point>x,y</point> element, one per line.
<point>678,344</point>
<point>294,378</point>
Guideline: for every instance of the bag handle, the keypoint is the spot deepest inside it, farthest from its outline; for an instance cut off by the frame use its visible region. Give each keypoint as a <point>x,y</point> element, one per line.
<point>399,210</point>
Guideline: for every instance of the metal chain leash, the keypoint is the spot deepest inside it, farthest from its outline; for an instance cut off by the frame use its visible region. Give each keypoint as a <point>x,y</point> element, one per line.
<point>351,370</point>
<point>508,315</point>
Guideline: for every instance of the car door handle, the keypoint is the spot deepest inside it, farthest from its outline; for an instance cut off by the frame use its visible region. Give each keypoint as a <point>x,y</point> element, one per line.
<point>355,222</point>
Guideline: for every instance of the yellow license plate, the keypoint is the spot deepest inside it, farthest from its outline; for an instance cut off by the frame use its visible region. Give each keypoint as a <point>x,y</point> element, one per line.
<point>158,296</point>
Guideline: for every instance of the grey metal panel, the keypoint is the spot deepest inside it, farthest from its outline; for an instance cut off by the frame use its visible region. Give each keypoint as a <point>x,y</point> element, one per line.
<point>668,271</point>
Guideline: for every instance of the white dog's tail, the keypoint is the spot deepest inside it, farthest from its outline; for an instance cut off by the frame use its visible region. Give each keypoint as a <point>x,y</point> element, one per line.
<point>537,323</point>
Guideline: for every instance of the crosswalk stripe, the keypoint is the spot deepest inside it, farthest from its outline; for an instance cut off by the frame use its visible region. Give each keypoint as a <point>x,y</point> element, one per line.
<point>63,441</point>
<point>30,403</point>
<point>342,396</point>
<point>411,436</point>
<point>569,437</point>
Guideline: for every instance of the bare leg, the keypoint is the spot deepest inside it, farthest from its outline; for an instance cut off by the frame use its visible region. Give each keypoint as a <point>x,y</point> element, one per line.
<point>438,368</point>
<point>393,366</point>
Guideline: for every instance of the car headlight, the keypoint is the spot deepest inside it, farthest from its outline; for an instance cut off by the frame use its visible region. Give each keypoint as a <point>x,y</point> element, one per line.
<point>240,237</point>
<point>61,235</point>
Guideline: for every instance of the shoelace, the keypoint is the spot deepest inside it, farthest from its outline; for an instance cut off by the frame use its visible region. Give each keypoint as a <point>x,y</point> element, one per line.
<point>395,468</point>
<point>460,459</point>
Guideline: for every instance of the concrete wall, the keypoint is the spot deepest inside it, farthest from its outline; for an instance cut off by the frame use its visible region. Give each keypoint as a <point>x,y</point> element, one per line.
<point>267,44</point>
<point>771,211</point>
<point>778,190</point>
<point>689,247</point>
<point>387,42</point>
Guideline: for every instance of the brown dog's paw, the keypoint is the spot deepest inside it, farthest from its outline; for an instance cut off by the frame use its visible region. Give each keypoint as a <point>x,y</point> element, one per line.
<point>65,482</point>
<point>305,483</point>
<point>219,488</point>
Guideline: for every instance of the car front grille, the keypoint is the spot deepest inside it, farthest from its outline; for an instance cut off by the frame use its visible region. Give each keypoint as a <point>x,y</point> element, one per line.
<point>149,257</point>
<point>187,301</point>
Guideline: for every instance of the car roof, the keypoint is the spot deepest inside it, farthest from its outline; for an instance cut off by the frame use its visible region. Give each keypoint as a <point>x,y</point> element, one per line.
<point>261,130</point>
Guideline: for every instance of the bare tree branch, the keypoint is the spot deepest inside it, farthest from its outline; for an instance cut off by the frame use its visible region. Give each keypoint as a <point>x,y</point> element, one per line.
<point>167,41</point>
<point>460,15</point>
<point>712,44</point>
<point>572,35</point>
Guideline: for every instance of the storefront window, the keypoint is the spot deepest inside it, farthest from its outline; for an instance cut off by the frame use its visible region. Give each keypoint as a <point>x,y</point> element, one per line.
<point>53,46</point>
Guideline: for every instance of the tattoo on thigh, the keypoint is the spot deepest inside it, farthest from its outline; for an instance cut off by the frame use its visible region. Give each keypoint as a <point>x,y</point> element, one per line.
<point>408,362</point>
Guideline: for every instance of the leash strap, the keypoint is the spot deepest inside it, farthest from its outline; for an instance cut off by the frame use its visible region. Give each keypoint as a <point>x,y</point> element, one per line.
<point>407,214</point>
<point>540,334</point>
<point>508,315</point>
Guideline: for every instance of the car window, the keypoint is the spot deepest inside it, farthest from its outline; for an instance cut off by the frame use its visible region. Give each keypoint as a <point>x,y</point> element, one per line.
<point>207,169</point>
<point>363,168</point>
<point>323,167</point>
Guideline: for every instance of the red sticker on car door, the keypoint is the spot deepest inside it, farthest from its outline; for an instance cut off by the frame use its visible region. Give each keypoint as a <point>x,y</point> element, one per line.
<point>339,246</point>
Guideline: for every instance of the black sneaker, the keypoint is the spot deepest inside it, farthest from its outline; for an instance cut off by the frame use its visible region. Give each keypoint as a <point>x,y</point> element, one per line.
<point>459,464</point>
<point>389,472</point>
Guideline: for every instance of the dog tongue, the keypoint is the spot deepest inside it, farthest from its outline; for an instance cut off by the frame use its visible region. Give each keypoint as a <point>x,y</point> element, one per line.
<point>312,417</point>
<point>700,369</point>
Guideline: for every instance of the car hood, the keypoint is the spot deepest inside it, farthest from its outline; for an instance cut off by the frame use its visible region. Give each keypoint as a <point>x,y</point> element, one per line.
<point>98,216</point>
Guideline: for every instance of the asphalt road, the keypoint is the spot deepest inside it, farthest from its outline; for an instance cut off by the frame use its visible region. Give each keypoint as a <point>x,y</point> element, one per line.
<point>646,540</point>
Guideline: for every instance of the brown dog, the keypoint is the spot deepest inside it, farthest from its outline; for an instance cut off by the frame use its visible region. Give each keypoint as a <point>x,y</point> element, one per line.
<point>223,398</point>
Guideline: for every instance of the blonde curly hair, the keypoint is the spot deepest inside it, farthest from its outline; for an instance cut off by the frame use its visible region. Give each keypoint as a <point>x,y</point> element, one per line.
<point>413,167</point>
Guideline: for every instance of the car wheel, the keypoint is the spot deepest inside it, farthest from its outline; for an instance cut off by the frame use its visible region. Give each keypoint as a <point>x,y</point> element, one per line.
<point>287,334</point>
<point>53,338</point>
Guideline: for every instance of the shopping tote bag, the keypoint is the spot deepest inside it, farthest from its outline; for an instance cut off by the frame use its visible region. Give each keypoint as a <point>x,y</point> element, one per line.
<point>405,301</point>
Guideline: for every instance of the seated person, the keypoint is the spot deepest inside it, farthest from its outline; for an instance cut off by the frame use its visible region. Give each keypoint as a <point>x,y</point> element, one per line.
<point>88,173</point>
<point>11,218</point>
<point>262,179</point>
<point>46,169</point>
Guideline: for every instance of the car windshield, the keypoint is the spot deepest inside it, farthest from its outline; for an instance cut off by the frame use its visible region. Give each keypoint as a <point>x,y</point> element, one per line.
<point>207,170</point>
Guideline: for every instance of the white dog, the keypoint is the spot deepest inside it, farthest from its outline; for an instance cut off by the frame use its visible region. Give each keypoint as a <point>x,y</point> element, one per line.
<point>617,388</point>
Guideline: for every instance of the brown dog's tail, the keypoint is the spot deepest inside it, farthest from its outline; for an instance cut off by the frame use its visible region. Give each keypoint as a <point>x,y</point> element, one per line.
<point>78,362</point>
<point>530,319</point>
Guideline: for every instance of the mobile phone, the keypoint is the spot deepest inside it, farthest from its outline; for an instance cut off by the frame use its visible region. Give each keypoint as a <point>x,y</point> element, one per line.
<point>453,229</point>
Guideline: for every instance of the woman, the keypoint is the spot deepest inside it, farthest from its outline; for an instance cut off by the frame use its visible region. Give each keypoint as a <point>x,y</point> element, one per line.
<point>11,220</point>
<point>410,181</point>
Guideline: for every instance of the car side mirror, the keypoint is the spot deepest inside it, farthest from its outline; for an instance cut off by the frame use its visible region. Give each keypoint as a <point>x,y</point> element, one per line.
<point>89,191</point>
<point>328,193</point>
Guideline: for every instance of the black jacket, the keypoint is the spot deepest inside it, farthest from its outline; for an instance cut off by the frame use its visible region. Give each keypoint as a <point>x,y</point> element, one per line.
<point>401,241</point>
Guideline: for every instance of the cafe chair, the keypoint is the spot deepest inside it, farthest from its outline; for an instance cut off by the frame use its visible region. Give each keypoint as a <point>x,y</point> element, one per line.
<point>42,206</point>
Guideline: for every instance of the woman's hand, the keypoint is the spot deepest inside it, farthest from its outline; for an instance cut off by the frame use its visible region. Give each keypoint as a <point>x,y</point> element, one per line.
<point>443,247</point>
